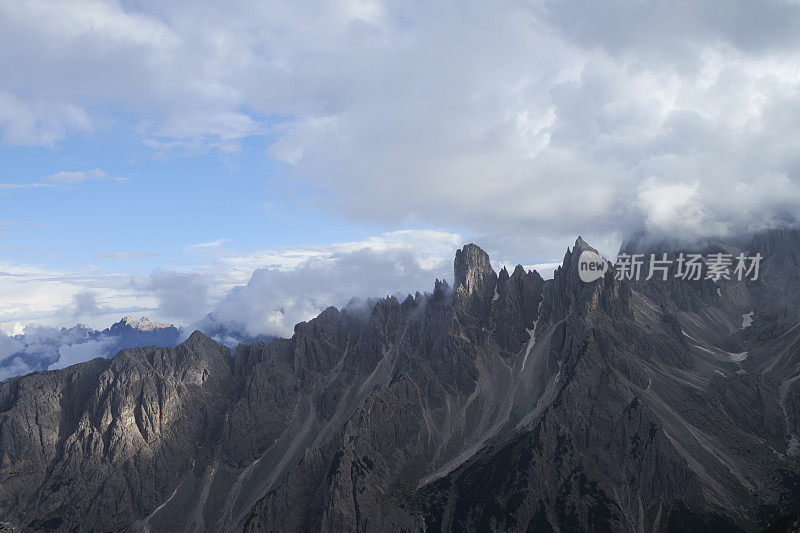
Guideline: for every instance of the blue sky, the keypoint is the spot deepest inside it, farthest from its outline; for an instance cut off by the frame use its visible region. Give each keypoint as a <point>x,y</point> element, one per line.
<point>101,213</point>
<point>261,161</point>
<point>148,203</point>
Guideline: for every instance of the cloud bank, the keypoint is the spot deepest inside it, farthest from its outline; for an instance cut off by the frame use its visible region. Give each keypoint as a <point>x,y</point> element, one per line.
<point>249,293</point>
<point>225,297</point>
<point>274,300</point>
<point>550,117</point>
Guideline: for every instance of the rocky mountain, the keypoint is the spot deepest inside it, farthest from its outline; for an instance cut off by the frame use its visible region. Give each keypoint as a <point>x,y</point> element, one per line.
<point>42,347</point>
<point>128,326</point>
<point>505,402</point>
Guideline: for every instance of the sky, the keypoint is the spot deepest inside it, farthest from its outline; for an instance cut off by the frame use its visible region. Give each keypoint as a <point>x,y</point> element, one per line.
<point>263,160</point>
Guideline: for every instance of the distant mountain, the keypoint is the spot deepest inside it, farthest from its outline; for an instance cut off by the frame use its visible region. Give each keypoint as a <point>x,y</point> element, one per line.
<point>40,348</point>
<point>142,333</point>
<point>503,403</point>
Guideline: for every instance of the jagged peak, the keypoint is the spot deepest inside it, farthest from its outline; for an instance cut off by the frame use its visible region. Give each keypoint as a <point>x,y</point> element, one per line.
<point>143,324</point>
<point>581,245</point>
<point>440,289</point>
<point>200,340</point>
<point>571,256</point>
<point>503,275</point>
<point>471,268</point>
<point>199,336</point>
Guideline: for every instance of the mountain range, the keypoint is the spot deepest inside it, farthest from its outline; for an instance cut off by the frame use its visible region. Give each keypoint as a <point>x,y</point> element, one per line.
<point>504,402</point>
<point>40,348</point>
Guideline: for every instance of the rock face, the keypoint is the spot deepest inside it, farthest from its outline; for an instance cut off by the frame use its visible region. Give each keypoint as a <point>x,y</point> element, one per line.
<point>99,443</point>
<point>506,402</point>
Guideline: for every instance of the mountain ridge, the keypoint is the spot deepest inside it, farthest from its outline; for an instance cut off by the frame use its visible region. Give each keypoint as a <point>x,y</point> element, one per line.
<point>507,402</point>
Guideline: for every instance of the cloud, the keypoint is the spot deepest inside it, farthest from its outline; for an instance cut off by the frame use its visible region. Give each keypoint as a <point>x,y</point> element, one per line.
<point>14,367</point>
<point>300,282</point>
<point>70,354</point>
<point>84,304</point>
<point>16,186</point>
<point>274,300</point>
<point>673,30</point>
<point>59,179</point>
<point>180,295</point>
<point>234,295</point>
<point>248,294</point>
<point>125,255</point>
<point>206,247</point>
<point>561,154</point>
<point>71,178</point>
<point>35,294</point>
<point>39,122</point>
<point>7,345</point>
<point>531,118</point>
<point>268,291</point>
<point>37,348</point>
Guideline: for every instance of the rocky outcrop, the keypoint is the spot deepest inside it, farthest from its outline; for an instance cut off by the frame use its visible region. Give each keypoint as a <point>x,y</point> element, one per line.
<point>506,402</point>
<point>100,443</point>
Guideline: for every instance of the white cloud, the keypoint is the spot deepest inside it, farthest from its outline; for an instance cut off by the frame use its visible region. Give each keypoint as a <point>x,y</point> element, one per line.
<point>18,186</point>
<point>70,354</point>
<point>59,179</point>
<point>181,295</point>
<point>468,114</point>
<point>294,284</point>
<point>125,255</point>
<point>36,348</point>
<point>233,284</point>
<point>274,300</point>
<point>37,294</point>
<point>39,122</point>
<point>84,304</point>
<point>672,30</point>
<point>73,177</point>
<point>8,345</point>
<point>15,367</point>
<point>225,125</point>
<point>206,247</point>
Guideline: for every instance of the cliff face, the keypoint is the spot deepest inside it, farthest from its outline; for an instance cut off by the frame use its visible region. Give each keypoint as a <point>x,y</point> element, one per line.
<point>101,442</point>
<point>505,402</point>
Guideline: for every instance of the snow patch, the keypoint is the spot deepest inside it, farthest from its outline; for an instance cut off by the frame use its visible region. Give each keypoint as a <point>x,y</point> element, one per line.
<point>739,357</point>
<point>704,349</point>
<point>747,319</point>
<point>530,345</point>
